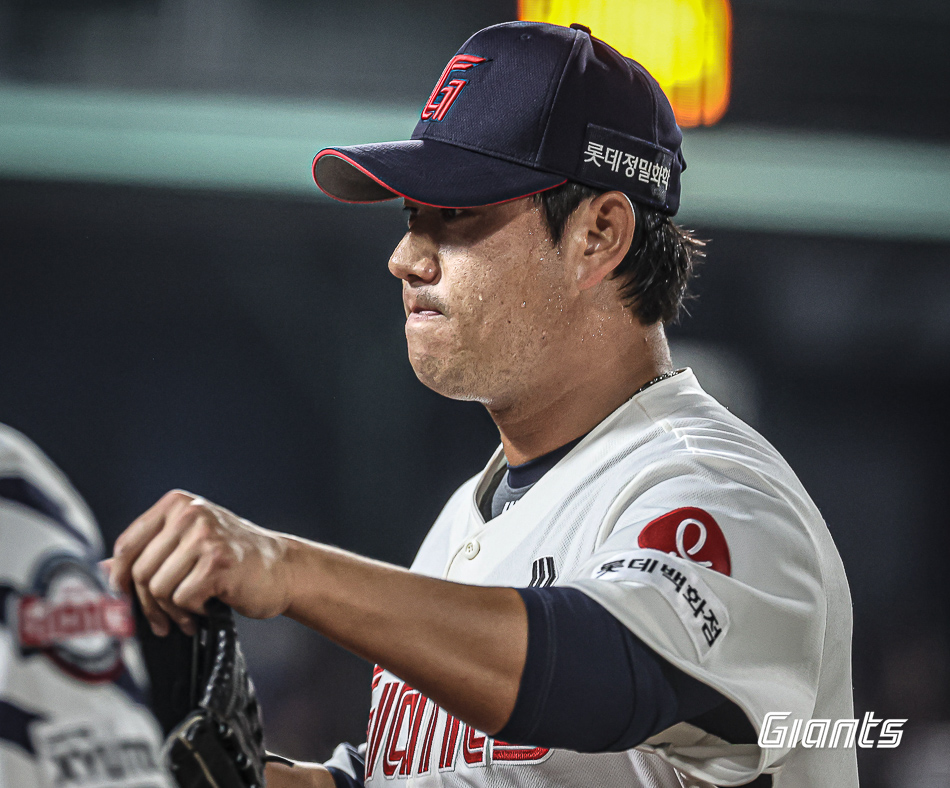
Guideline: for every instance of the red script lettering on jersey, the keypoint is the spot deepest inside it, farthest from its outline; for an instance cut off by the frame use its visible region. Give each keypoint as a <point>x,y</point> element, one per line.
<point>409,735</point>
<point>689,533</point>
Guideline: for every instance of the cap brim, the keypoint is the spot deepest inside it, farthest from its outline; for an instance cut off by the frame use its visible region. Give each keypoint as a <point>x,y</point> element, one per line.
<point>427,172</point>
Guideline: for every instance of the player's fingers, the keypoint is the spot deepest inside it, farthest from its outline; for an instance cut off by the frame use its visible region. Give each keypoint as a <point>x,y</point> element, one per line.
<point>181,525</point>
<point>152,558</point>
<point>167,579</point>
<point>152,610</point>
<point>162,544</point>
<point>129,546</point>
<point>200,584</point>
<point>133,540</point>
<point>180,617</point>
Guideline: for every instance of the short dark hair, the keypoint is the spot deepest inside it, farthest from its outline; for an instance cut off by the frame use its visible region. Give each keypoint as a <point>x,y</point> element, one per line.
<point>661,261</point>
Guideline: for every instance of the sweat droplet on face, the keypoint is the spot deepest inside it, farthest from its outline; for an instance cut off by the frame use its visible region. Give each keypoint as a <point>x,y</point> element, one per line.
<point>524,303</point>
<point>479,298</point>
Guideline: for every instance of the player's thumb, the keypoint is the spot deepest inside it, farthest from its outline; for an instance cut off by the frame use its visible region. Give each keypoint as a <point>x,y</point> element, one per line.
<point>105,566</point>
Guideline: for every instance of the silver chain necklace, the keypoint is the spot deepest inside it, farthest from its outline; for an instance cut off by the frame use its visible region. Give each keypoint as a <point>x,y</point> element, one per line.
<point>657,379</point>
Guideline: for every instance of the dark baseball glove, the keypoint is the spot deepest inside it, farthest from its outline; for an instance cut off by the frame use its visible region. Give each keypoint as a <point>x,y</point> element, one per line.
<point>204,700</point>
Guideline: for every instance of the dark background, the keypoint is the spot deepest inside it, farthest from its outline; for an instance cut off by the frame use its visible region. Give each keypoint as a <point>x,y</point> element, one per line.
<point>249,347</point>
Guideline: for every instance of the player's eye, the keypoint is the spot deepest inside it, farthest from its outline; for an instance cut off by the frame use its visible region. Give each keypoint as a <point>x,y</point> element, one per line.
<point>451,213</point>
<point>410,213</point>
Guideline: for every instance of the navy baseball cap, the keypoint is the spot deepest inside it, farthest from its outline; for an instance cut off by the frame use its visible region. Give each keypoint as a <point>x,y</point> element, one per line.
<point>521,108</point>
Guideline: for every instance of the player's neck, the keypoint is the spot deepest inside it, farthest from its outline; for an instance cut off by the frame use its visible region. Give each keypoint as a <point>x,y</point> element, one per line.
<point>576,398</point>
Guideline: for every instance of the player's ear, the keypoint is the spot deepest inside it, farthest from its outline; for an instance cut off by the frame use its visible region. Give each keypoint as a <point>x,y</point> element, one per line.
<point>606,227</point>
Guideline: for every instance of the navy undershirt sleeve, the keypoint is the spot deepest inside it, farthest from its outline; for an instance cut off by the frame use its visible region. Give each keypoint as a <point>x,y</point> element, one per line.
<point>343,780</point>
<point>351,773</point>
<point>590,685</point>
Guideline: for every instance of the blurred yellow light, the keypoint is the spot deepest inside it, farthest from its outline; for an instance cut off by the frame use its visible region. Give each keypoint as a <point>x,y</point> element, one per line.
<point>684,44</point>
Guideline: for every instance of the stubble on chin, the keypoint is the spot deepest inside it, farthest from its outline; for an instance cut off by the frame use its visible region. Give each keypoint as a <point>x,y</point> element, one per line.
<point>469,377</point>
<point>446,376</point>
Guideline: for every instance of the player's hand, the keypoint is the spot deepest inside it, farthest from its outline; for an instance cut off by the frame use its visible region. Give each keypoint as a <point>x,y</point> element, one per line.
<point>301,775</point>
<point>185,550</point>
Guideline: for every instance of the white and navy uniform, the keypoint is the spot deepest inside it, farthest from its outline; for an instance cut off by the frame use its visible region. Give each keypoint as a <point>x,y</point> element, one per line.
<point>71,678</point>
<point>694,534</point>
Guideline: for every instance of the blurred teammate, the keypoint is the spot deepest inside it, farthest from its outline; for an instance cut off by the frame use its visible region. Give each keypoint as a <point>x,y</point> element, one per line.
<point>636,578</point>
<point>71,682</point>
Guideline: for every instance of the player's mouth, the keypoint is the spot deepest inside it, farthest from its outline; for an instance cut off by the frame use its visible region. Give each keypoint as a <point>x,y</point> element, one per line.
<point>422,307</point>
<point>417,316</point>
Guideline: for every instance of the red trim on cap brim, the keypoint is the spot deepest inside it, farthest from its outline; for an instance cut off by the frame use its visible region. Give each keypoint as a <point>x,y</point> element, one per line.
<point>396,193</point>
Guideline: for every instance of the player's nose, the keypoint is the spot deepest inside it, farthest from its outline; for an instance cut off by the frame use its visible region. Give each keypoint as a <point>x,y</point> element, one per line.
<point>415,260</point>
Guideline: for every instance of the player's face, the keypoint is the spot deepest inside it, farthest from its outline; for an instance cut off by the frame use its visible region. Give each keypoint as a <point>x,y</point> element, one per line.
<point>486,297</point>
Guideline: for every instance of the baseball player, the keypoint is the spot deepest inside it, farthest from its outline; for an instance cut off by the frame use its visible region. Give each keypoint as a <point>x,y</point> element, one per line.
<point>636,578</point>
<point>71,681</point>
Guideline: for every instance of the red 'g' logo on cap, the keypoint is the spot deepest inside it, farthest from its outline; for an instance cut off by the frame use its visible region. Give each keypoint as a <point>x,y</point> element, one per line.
<point>689,533</point>
<point>445,93</point>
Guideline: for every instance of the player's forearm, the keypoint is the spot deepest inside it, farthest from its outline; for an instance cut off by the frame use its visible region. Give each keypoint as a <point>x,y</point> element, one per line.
<point>462,646</point>
<point>300,775</point>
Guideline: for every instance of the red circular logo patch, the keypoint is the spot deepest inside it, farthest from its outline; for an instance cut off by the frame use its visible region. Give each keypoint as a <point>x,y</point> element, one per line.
<point>70,617</point>
<point>689,533</point>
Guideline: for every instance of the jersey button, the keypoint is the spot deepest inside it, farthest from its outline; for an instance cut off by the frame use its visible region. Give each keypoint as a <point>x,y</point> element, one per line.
<point>471,549</point>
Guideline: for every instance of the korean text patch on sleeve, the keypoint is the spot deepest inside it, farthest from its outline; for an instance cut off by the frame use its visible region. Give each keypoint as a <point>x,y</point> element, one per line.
<point>704,616</point>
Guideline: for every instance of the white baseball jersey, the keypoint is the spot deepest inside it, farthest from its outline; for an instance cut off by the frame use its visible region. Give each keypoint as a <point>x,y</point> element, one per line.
<point>70,676</point>
<point>691,529</point>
